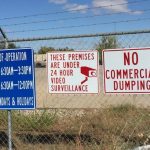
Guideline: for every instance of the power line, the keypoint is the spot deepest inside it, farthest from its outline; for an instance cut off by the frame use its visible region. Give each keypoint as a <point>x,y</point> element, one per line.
<point>82,25</point>
<point>65,11</point>
<point>69,18</point>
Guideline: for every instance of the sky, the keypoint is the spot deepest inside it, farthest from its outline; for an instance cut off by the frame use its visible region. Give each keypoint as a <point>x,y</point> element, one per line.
<point>69,17</point>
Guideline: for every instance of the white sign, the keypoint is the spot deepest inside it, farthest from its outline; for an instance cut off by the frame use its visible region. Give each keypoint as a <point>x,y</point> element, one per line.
<point>126,70</point>
<point>73,72</point>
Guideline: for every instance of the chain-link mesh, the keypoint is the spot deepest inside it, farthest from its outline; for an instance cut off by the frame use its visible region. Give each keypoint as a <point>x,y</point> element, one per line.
<point>119,128</point>
<point>79,121</point>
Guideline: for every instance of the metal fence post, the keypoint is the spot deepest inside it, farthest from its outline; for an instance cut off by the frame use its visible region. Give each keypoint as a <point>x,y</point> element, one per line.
<point>9,111</point>
<point>9,130</point>
<point>9,118</point>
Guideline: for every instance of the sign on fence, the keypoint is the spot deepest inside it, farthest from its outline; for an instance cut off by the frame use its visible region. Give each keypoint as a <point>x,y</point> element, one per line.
<point>126,70</point>
<point>17,81</point>
<point>73,72</point>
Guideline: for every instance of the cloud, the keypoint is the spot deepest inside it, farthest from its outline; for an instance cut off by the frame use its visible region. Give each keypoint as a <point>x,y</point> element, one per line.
<point>137,12</point>
<point>112,5</point>
<point>77,7</point>
<point>74,7</point>
<point>58,1</point>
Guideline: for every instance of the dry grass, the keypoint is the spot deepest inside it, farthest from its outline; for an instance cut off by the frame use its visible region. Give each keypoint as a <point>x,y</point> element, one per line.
<point>114,128</point>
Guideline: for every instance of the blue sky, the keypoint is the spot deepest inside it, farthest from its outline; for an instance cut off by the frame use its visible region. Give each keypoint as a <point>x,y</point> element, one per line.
<point>121,10</point>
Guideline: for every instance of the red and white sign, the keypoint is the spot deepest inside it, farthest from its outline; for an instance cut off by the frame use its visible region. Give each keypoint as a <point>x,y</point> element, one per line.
<point>73,72</point>
<point>126,70</point>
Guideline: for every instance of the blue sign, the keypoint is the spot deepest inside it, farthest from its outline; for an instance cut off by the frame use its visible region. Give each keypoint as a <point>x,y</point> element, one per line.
<point>17,79</point>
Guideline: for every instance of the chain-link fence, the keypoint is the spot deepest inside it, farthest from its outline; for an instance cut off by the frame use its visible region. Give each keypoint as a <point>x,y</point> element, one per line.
<point>80,121</point>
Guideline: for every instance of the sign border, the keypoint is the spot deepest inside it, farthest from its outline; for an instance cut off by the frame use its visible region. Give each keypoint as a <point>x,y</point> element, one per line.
<point>34,90</point>
<point>103,60</point>
<point>98,78</point>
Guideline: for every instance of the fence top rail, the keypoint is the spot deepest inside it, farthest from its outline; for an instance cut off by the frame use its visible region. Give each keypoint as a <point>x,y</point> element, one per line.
<point>77,36</point>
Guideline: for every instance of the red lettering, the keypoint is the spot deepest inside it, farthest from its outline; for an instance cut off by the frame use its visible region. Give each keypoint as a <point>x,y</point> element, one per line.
<point>148,85</point>
<point>135,58</point>
<point>127,85</point>
<point>58,80</point>
<point>71,64</point>
<point>115,85</point>
<point>108,77</point>
<point>118,74</point>
<point>131,73</point>
<point>125,73</point>
<point>142,76</point>
<point>57,57</point>
<point>113,74</point>
<point>55,64</point>
<point>53,72</point>
<point>142,85</point>
<point>66,72</point>
<point>126,58</point>
<point>133,84</point>
<point>136,73</point>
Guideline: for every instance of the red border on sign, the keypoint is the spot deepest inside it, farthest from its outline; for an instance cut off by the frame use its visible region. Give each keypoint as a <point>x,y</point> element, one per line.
<point>103,60</point>
<point>77,51</point>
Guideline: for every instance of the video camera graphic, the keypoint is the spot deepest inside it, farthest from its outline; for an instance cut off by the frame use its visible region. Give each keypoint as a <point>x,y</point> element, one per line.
<point>88,72</point>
